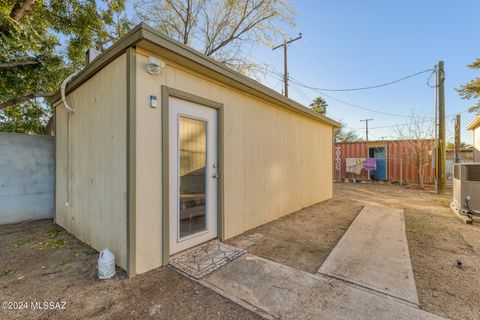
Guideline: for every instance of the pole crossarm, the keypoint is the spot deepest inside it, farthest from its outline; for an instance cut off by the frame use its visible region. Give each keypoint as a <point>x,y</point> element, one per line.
<point>366,127</point>
<point>285,70</point>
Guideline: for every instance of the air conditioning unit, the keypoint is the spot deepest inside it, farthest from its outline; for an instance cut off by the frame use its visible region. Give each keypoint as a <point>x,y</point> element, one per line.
<point>466,188</point>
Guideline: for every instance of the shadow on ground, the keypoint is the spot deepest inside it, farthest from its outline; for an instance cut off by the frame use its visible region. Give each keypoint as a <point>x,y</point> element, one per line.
<point>42,262</point>
<point>304,239</point>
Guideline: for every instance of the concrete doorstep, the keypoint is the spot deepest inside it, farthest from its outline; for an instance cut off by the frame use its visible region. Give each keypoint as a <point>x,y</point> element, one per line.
<point>277,291</point>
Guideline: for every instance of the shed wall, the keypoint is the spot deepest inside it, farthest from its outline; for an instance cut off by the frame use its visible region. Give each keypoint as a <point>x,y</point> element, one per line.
<point>275,161</point>
<point>476,145</point>
<point>91,161</point>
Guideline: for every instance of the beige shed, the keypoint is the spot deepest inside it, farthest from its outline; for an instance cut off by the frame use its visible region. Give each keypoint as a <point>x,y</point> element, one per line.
<point>164,149</point>
<point>475,127</point>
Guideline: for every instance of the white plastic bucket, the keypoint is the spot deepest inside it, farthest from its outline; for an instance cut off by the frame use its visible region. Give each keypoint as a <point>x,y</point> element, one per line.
<point>106,264</point>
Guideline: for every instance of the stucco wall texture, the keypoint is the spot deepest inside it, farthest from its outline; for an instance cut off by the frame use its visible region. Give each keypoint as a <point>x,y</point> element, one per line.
<point>26,177</point>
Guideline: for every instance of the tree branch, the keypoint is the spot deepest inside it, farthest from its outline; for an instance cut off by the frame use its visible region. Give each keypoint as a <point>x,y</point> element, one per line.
<point>187,22</point>
<point>237,32</point>
<point>236,36</point>
<point>24,98</point>
<point>21,9</point>
<point>12,64</point>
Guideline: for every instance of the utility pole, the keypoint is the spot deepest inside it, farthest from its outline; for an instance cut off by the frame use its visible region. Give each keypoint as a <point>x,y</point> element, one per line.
<point>366,127</point>
<point>435,134</point>
<point>441,129</point>
<point>458,142</point>
<point>285,70</point>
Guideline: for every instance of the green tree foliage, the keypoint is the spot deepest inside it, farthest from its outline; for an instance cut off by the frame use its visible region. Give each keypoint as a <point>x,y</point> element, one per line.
<point>451,145</point>
<point>41,42</point>
<point>319,105</point>
<point>471,90</point>
<point>343,135</point>
<point>28,117</point>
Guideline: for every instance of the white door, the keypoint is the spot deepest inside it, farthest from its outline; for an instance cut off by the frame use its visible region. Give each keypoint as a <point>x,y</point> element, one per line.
<point>193,175</point>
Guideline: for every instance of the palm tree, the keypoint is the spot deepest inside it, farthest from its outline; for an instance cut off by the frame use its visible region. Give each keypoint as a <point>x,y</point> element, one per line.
<point>319,105</point>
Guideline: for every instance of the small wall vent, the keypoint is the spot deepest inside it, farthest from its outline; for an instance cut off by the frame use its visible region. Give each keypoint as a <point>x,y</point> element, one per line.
<point>90,55</point>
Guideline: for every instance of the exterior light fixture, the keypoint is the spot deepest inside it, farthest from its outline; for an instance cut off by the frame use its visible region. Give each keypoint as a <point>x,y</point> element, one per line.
<point>154,66</point>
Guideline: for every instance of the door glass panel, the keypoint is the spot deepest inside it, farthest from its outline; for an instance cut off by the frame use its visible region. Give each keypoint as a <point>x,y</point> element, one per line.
<point>193,160</point>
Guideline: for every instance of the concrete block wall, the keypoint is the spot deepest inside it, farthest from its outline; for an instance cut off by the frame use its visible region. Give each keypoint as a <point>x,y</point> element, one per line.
<point>26,177</point>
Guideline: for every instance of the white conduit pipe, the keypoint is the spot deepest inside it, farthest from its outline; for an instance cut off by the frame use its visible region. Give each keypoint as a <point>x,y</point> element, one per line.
<point>467,205</point>
<point>69,110</point>
<point>63,88</point>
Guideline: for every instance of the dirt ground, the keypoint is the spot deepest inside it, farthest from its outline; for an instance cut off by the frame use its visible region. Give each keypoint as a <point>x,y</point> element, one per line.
<point>304,239</point>
<point>436,239</point>
<point>42,262</point>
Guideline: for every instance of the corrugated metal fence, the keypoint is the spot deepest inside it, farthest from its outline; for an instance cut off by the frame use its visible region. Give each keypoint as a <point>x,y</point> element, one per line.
<point>401,165</point>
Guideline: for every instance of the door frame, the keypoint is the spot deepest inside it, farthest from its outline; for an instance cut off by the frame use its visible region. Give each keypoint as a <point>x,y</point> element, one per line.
<point>167,93</point>
<point>374,146</point>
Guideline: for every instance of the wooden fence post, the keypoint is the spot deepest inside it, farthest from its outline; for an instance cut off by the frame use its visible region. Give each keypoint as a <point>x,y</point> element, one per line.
<point>401,171</point>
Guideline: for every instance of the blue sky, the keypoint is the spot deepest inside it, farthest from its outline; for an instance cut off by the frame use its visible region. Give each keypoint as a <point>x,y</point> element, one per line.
<point>351,43</point>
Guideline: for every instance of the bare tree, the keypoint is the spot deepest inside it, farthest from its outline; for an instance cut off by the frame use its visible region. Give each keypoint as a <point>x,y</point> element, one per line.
<point>417,143</point>
<point>221,29</point>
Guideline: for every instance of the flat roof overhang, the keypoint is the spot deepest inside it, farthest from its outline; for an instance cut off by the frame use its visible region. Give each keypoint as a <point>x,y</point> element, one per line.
<point>474,124</point>
<point>152,40</point>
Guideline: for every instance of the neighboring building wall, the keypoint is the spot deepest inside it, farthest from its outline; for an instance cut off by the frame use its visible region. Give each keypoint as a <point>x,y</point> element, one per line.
<point>275,161</point>
<point>466,155</point>
<point>26,177</point>
<point>91,167</point>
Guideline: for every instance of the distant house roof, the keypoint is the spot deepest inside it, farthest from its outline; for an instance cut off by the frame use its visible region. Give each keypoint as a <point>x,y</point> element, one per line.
<point>474,124</point>
<point>147,37</point>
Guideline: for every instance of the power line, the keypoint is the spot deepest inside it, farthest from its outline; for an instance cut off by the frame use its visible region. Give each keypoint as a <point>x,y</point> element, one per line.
<point>374,86</point>
<point>294,81</point>
<point>452,115</point>
<point>393,126</point>
<point>299,84</point>
<point>426,119</point>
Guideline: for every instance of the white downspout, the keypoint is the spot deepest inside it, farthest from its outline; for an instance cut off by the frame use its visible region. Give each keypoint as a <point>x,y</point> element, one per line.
<point>63,89</point>
<point>69,110</point>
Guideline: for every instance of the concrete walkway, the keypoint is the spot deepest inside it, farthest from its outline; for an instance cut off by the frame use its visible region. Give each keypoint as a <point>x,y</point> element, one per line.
<point>277,291</point>
<point>373,253</point>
